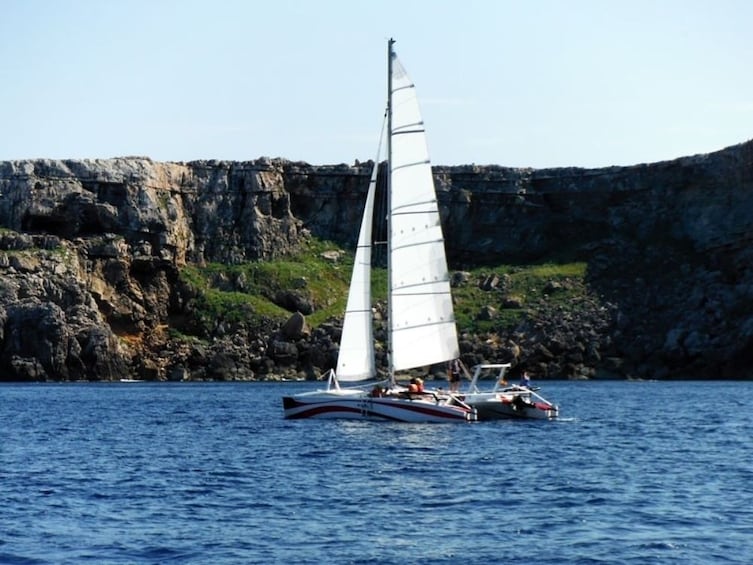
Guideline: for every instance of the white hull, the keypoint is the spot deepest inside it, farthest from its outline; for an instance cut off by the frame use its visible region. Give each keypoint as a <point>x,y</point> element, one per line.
<point>503,401</point>
<point>355,404</point>
<point>499,406</point>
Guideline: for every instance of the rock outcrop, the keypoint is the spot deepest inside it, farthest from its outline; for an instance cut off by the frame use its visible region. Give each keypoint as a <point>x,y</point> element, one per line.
<point>90,253</point>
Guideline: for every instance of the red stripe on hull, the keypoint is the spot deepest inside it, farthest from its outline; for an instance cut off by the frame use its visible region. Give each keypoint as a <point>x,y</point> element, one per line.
<point>295,409</point>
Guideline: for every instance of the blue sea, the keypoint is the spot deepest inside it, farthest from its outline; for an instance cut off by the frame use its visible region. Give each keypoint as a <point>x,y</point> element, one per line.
<point>633,473</point>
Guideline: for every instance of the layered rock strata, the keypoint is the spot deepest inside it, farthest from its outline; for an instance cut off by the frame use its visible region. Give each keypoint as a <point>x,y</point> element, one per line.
<point>90,253</point>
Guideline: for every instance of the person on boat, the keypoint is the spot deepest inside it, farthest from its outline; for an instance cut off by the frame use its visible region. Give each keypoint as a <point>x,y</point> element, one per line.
<point>525,380</point>
<point>519,404</point>
<point>453,374</point>
<point>416,385</point>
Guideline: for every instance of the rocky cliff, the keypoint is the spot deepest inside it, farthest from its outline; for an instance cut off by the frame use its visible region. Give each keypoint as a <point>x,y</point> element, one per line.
<point>90,253</point>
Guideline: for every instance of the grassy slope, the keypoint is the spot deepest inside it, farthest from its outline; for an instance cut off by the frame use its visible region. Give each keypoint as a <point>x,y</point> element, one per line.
<point>247,292</point>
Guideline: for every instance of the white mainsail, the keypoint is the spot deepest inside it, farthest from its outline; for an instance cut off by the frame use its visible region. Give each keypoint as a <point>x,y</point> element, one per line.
<point>422,322</point>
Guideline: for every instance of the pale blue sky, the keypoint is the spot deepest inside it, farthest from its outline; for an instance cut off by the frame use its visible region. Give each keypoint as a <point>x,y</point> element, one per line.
<point>529,83</point>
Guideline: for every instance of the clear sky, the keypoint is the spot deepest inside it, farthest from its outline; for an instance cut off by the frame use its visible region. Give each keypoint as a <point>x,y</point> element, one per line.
<point>525,83</point>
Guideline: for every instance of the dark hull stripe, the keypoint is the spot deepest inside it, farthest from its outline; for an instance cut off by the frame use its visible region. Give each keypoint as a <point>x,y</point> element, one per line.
<point>295,409</point>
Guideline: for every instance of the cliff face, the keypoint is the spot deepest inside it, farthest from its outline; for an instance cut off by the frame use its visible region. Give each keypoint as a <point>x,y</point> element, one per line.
<point>90,252</point>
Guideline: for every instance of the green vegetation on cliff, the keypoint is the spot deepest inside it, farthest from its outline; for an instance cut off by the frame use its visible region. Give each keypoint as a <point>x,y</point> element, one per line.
<point>315,281</point>
<point>498,297</point>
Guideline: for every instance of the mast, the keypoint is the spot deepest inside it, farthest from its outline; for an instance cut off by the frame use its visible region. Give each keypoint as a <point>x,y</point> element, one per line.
<point>391,367</point>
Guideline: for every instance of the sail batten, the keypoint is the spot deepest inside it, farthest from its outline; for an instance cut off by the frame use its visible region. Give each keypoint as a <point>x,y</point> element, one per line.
<point>432,210</point>
<point>406,165</point>
<point>404,132</point>
<point>420,293</point>
<point>418,244</point>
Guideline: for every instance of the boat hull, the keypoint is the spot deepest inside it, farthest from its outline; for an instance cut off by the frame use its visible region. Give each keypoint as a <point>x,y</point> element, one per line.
<point>334,404</point>
<point>491,406</point>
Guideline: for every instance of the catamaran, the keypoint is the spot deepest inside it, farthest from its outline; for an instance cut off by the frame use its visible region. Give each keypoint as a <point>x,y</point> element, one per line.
<point>421,321</point>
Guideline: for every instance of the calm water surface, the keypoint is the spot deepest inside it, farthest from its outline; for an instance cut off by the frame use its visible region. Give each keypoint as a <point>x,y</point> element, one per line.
<point>634,472</point>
